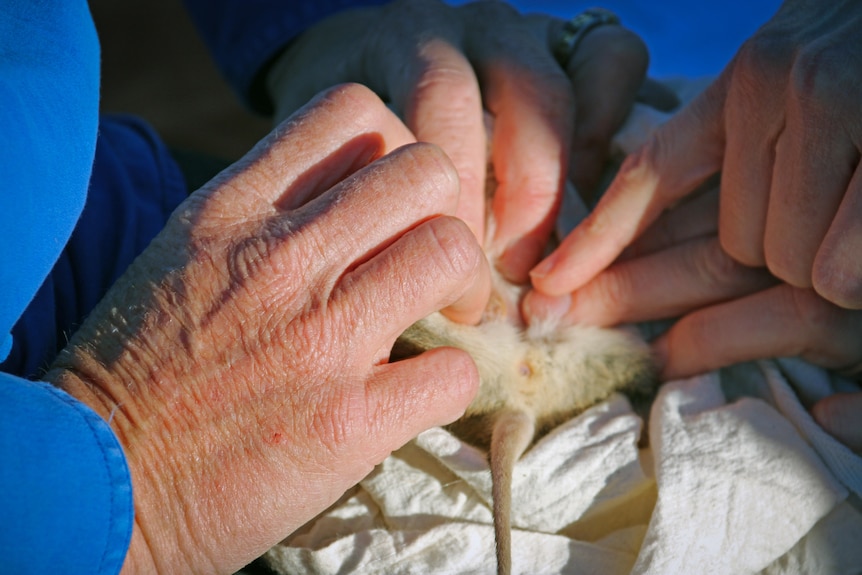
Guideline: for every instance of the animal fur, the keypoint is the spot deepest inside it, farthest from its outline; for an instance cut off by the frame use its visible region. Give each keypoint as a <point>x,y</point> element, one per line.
<point>532,379</point>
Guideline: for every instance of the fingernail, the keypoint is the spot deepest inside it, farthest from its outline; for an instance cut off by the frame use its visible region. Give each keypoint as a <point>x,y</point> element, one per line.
<point>544,268</point>
<point>537,306</point>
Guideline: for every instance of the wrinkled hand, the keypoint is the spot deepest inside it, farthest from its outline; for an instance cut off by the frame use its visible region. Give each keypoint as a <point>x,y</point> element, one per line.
<point>242,359</point>
<point>440,65</point>
<point>777,271</point>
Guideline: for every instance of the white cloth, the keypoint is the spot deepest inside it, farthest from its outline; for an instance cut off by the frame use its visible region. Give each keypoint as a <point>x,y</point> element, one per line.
<point>743,482</point>
<point>738,479</point>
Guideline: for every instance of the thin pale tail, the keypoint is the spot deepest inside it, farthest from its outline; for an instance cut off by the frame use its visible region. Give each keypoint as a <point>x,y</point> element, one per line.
<point>513,433</point>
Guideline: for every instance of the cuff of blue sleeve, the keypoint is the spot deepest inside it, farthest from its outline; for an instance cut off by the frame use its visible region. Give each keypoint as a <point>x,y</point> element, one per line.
<point>65,486</point>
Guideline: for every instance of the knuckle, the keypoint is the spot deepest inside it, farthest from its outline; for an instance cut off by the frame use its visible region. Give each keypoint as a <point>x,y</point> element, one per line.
<point>821,77</point>
<point>450,253</point>
<point>364,104</point>
<point>765,55</point>
<point>453,248</point>
<point>783,263</point>
<point>427,168</point>
<point>553,87</point>
<point>256,260</point>
<point>249,258</point>
<point>762,63</point>
<point>548,90</point>
<point>699,331</point>
<point>441,78</point>
<point>445,75</point>
<point>348,104</point>
<point>818,317</point>
<point>534,196</point>
<point>715,266</point>
<point>745,252</point>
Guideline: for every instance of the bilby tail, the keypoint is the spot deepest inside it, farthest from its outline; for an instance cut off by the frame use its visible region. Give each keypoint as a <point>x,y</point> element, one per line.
<point>513,432</point>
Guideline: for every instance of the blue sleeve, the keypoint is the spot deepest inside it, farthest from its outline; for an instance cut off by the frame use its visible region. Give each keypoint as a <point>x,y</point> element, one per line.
<point>134,187</point>
<point>244,36</point>
<point>65,491</point>
<point>49,82</point>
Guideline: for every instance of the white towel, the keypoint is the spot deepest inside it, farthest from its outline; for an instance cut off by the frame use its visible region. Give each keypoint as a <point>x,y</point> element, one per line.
<point>738,479</point>
<point>739,487</point>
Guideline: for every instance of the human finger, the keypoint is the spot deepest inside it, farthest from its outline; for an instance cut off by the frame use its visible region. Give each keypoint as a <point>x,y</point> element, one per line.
<point>837,268</point>
<point>755,120</point>
<point>415,394</point>
<point>410,54</point>
<point>531,102</point>
<point>363,214</point>
<point>776,322</point>
<point>437,265</point>
<point>656,95</point>
<point>814,162</point>
<point>839,415</point>
<point>676,159</point>
<point>695,216</point>
<point>430,81</point>
<point>338,132</point>
<point>607,71</point>
<point>661,285</point>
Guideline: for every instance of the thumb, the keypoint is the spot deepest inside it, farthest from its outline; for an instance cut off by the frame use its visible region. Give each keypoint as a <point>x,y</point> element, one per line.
<point>677,158</point>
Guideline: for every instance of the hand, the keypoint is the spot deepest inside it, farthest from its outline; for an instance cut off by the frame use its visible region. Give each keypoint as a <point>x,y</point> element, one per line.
<point>439,66</point>
<point>242,359</point>
<point>783,123</point>
<point>730,312</point>
<point>791,212</point>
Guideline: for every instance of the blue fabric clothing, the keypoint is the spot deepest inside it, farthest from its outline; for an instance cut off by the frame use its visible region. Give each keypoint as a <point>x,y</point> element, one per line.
<point>65,494</point>
<point>80,199</point>
<point>134,187</point>
<point>65,490</point>
<point>49,64</point>
<point>241,56</point>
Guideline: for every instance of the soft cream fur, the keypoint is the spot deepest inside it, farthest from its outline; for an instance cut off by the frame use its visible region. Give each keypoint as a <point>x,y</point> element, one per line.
<point>532,379</point>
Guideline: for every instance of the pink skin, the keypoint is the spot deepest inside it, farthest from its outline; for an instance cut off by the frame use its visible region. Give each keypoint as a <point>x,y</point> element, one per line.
<point>440,66</point>
<point>242,359</point>
<point>773,267</point>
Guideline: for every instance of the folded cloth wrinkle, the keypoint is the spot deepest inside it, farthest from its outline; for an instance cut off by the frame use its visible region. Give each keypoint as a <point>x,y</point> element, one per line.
<point>729,470</point>
<point>841,461</point>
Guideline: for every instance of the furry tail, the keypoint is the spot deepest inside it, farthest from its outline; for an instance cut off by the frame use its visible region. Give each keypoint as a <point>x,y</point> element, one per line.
<point>513,433</point>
